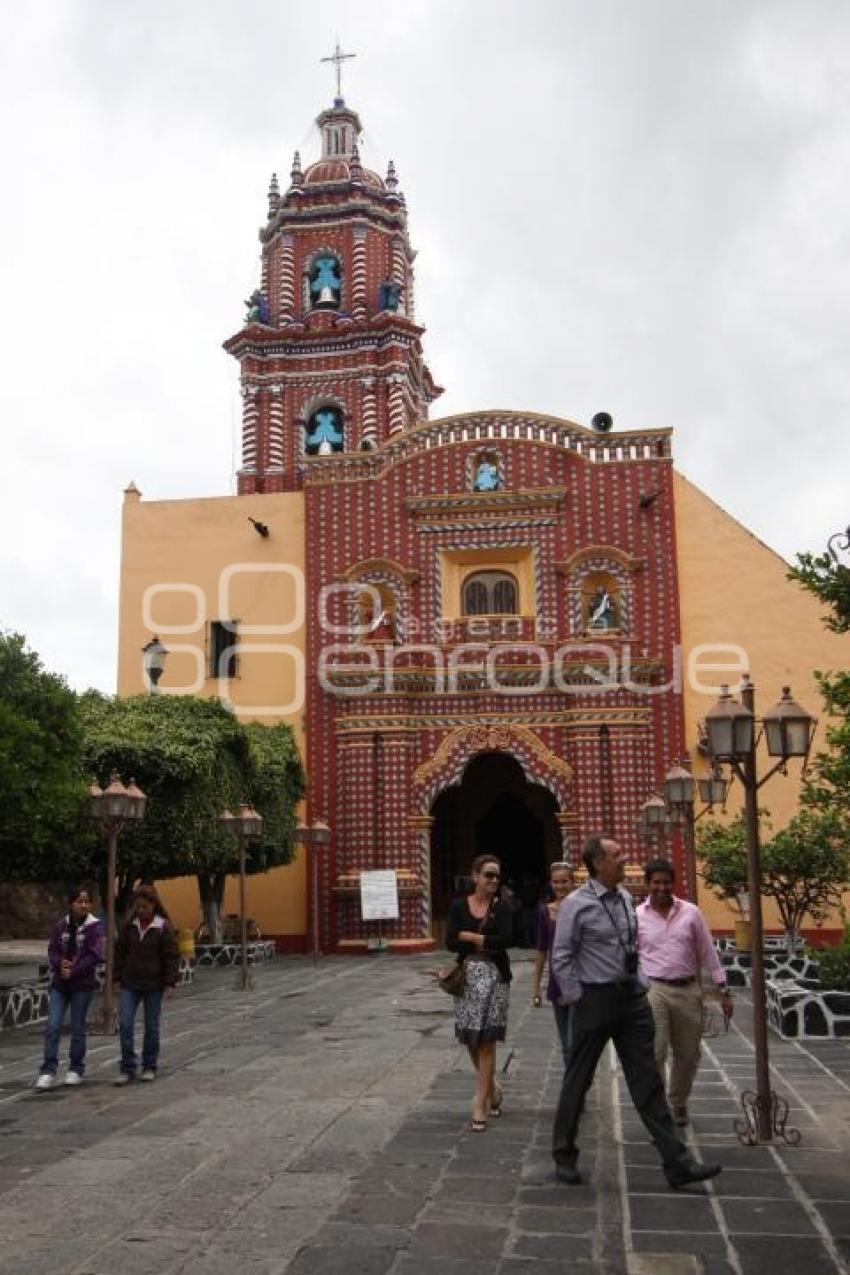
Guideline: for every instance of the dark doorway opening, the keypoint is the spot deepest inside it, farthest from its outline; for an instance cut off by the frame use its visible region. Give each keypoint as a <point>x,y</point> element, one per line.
<point>493,810</point>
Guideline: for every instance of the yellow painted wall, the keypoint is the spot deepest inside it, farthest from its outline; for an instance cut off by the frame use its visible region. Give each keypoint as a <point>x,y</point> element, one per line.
<point>734,590</point>
<point>183,564</point>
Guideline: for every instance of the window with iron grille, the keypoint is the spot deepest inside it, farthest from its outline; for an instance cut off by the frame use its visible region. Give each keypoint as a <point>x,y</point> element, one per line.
<point>224,658</point>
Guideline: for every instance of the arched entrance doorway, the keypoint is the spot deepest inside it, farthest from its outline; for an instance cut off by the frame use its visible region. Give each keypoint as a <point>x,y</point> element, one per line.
<point>493,810</point>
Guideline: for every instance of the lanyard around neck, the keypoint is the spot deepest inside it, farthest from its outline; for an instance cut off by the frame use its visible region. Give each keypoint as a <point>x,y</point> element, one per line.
<point>631,934</point>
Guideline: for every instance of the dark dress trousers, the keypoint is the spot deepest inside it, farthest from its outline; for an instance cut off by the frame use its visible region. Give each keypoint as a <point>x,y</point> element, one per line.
<point>595,930</point>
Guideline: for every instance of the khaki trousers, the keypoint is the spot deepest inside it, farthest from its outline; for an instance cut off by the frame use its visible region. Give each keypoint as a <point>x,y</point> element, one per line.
<point>678,1033</point>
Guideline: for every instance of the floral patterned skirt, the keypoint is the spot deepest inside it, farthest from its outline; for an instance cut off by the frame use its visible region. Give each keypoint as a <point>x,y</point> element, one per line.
<point>481,1013</point>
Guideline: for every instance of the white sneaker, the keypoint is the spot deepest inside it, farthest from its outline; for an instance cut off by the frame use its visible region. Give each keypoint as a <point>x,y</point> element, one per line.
<point>45,1081</point>
<point>148,1075</point>
<point>73,1078</point>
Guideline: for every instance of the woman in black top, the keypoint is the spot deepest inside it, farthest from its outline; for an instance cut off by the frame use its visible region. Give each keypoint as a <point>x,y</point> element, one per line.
<point>480,930</point>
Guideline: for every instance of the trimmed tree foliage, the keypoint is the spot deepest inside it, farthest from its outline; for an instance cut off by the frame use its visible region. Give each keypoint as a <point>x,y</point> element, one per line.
<point>722,848</point>
<point>805,868</point>
<point>41,785</point>
<point>192,758</point>
<point>275,788</point>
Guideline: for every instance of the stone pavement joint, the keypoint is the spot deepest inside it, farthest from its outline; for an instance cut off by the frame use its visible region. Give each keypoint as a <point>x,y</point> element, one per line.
<point>320,1124</point>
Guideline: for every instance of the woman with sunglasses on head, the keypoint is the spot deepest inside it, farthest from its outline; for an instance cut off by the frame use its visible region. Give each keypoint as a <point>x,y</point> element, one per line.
<point>561,883</point>
<point>480,930</point>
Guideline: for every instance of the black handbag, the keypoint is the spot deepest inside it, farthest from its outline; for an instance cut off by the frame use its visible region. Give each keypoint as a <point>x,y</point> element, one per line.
<point>451,978</point>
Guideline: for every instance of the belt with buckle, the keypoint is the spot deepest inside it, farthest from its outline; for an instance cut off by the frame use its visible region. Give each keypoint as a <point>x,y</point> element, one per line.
<point>673,982</point>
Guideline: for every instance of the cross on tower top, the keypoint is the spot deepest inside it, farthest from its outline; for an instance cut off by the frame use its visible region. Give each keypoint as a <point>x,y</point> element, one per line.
<point>338,57</point>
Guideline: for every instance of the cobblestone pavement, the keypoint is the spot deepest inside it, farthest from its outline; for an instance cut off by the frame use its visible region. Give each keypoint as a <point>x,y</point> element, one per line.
<point>318,1124</point>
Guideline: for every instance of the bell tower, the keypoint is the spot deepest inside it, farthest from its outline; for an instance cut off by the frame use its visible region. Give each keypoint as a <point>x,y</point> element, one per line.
<point>330,355</point>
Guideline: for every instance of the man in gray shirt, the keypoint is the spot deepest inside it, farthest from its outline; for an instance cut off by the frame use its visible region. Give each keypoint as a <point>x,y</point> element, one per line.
<point>595,962</point>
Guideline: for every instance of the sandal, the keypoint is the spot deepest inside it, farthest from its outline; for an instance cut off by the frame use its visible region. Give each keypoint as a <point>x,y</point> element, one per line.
<point>496,1105</point>
<point>478,1126</point>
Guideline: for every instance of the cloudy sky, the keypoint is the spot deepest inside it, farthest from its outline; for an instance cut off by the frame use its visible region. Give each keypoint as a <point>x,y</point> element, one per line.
<point>632,205</point>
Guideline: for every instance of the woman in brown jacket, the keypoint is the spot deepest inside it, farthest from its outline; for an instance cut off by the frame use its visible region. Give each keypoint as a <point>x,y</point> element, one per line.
<point>147,966</point>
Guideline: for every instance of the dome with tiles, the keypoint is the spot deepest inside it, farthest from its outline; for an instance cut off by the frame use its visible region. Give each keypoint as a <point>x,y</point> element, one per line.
<point>330,170</point>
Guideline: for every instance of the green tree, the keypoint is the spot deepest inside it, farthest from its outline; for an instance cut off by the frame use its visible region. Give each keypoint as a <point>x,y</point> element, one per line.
<point>722,848</point>
<point>275,786</point>
<point>834,965</point>
<point>189,755</point>
<point>193,758</point>
<point>805,868</point>
<point>826,792</point>
<point>827,578</point>
<point>41,785</point>
<point>827,786</point>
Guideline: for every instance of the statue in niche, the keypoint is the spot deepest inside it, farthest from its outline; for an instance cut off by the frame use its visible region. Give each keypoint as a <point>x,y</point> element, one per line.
<point>325,283</point>
<point>486,476</point>
<point>324,434</point>
<point>258,308</point>
<point>602,610</point>
<point>390,297</point>
<point>381,628</point>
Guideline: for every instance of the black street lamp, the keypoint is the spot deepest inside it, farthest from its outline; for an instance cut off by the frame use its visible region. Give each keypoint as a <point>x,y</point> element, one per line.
<point>658,813</point>
<point>113,807</point>
<point>680,789</point>
<point>153,659</point>
<point>839,543</point>
<point>314,838</point>
<point>247,825</point>
<point>652,816</point>
<point>732,738</point>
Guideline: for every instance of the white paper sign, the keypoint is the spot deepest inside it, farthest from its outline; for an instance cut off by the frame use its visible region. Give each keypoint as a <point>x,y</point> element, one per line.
<point>379,895</point>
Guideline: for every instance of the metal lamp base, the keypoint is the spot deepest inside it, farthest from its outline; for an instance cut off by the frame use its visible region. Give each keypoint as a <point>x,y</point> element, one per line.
<point>776,1119</point>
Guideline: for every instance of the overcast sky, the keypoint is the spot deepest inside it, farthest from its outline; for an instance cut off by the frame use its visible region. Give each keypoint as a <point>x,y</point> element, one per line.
<point>632,205</point>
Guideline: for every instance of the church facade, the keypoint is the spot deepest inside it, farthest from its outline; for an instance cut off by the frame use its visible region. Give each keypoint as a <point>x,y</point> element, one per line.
<point>488,631</point>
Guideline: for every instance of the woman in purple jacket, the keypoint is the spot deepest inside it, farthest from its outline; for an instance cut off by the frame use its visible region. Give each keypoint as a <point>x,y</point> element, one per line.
<point>74,952</point>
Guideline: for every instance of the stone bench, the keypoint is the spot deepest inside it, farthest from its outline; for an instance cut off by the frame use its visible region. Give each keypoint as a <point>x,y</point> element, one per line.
<point>797,1009</point>
<point>258,950</point>
<point>25,1003</point>
<point>777,964</point>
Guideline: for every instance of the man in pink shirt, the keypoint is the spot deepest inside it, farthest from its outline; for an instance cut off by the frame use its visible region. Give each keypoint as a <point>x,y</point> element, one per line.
<point>674,945</point>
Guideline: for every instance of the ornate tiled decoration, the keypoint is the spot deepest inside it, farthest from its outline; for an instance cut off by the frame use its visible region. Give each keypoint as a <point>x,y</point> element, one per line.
<point>402,507</point>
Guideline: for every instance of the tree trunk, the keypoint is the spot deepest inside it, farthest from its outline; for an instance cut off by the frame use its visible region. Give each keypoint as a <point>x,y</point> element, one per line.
<point>211,891</point>
<point>791,915</point>
<point>123,893</point>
